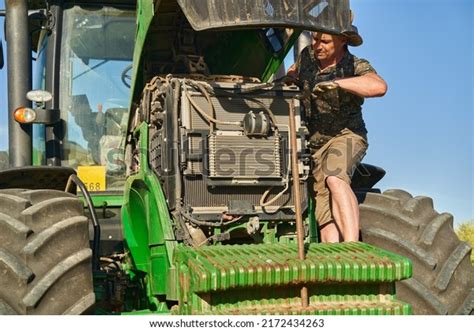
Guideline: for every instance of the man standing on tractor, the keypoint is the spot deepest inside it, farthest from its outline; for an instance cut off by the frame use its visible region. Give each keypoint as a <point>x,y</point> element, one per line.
<point>338,137</point>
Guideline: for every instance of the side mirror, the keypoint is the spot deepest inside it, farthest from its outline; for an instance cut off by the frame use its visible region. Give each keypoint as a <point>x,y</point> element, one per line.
<point>1,54</point>
<point>38,20</point>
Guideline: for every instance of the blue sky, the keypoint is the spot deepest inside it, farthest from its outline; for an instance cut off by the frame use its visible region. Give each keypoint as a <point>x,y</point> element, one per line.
<point>421,132</point>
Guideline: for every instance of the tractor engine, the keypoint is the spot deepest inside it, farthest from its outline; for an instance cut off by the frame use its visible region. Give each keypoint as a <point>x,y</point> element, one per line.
<point>220,148</point>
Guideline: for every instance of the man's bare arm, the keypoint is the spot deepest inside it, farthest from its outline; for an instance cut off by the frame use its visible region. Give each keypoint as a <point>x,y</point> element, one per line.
<point>366,86</point>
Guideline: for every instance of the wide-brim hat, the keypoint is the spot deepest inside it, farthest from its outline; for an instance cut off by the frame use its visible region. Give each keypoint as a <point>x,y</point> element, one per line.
<point>353,37</point>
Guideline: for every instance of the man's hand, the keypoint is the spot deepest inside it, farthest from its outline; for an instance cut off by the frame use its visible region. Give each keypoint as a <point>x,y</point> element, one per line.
<point>288,80</point>
<point>322,87</point>
<point>292,71</point>
<point>291,75</point>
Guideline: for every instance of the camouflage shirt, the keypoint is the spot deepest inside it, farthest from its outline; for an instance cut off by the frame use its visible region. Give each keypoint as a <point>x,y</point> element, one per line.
<point>337,109</point>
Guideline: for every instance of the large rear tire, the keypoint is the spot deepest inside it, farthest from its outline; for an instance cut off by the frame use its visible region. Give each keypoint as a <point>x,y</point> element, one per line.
<point>45,258</point>
<point>443,277</point>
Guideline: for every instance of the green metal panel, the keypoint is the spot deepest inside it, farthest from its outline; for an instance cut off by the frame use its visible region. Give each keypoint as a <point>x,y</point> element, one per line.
<point>275,62</point>
<point>147,225</point>
<point>135,229</point>
<point>159,258</point>
<point>145,13</point>
<point>244,53</point>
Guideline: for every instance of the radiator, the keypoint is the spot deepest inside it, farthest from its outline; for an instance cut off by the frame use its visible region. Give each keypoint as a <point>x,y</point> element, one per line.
<point>233,154</point>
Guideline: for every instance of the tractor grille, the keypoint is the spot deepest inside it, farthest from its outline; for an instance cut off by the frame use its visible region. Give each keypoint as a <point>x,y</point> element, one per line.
<point>199,194</point>
<point>238,156</point>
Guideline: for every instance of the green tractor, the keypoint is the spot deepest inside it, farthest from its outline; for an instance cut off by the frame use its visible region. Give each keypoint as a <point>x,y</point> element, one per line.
<point>158,122</point>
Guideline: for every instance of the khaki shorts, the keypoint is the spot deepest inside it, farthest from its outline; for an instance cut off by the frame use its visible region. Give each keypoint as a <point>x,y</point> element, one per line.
<point>339,157</point>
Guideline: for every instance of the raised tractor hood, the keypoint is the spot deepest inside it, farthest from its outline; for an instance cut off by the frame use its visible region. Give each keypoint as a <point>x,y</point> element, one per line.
<point>322,15</point>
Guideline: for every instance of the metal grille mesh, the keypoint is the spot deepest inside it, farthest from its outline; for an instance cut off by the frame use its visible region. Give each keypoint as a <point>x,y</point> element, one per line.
<point>239,156</point>
<point>195,146</point>
<point>198,194</point>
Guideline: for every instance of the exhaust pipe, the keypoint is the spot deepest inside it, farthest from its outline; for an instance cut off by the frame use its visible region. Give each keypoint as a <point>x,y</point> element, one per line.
<point>19,80</point>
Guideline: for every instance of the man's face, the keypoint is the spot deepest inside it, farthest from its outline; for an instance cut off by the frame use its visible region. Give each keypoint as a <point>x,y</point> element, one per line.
<point>326,46</point>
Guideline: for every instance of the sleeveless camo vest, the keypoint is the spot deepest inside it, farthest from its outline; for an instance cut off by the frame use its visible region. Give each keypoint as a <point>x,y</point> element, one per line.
<point>334,110</point>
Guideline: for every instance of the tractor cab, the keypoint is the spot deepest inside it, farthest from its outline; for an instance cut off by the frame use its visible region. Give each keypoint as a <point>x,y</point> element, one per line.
<point>83,60</point>
<point>94,86</point>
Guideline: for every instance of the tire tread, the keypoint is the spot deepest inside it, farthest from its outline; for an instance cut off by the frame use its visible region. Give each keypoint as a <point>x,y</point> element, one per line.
<point>443,280</point>
<point>44,246</point>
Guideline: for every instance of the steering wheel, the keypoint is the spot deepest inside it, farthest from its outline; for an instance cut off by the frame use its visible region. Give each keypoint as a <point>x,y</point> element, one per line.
<point>127,75</point>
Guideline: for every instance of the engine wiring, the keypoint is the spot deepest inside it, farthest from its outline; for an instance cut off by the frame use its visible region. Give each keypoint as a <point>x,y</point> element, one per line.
<point>210,118</point>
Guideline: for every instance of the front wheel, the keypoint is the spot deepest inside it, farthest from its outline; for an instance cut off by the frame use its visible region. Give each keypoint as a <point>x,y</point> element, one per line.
<point>443,277</point>
<point>45,259</point>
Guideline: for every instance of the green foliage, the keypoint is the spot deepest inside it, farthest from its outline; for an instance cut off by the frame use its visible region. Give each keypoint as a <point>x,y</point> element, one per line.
<point>465,232</point>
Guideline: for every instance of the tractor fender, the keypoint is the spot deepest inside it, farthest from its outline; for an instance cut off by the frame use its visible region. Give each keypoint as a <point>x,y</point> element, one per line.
<point>37,178</point>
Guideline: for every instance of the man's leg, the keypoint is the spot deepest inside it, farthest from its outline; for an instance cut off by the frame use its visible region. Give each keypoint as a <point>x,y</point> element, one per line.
<point>328,229</point>
<point>345,153</point>
<point>344,208</point>
<point>330,233</point>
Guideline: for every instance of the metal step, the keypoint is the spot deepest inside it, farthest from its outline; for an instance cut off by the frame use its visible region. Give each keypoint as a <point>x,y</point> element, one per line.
<point>336,305</point>
<point>346,278</point>
<point>225,267</point>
